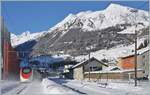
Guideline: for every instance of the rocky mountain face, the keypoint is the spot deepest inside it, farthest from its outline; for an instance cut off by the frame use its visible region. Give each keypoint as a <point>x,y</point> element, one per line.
<point>88,31</point>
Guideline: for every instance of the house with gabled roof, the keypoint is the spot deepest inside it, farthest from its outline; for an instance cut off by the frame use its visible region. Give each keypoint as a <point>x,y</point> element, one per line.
<point>88,65</point>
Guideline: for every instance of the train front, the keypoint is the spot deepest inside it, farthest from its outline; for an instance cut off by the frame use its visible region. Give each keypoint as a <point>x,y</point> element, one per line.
<point>26,72</point>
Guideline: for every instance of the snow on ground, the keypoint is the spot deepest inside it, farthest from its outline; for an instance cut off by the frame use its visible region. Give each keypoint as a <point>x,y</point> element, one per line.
<point>11,87</point>
<point>4,84</point>
<point>75,87</point>
<point>123,86</point>
<point>50,87</point>
<point>113,88</point>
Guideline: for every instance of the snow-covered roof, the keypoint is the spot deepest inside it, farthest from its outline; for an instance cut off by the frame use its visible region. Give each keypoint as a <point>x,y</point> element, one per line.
<point>139,52</point>
<point>91,59</point>
<point>111,68</point>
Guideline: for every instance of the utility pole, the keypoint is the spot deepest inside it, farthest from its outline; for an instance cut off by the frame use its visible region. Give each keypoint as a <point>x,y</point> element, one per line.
<point>135,59</point>
<point>89,62</point>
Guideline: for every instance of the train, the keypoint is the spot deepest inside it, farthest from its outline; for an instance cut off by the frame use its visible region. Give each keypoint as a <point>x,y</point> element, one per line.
<point>26,74</point>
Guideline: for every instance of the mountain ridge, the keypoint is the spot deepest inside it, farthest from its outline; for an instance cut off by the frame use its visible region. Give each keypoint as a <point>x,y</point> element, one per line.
<point>98,30</point>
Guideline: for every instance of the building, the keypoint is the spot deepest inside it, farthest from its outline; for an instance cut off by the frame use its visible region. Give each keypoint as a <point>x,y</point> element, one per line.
<point>143,61</point>
<point>68,71</point>
<point>128,62</point>
<point>10,60</point>
<point>89,65</point>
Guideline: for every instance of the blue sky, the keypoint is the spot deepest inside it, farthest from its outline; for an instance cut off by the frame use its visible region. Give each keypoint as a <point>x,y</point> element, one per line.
<point>40,16</point>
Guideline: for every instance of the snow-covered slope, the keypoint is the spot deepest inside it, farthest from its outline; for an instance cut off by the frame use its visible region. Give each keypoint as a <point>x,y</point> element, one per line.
<point>95,20</point>
<point>114,53</point>
<point>24,37</point>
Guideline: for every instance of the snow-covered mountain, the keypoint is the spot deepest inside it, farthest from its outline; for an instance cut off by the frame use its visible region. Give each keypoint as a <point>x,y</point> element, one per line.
<point>96,29</point>
<point>24,37</point>
<point>95,20</point>
<point>92,20</point>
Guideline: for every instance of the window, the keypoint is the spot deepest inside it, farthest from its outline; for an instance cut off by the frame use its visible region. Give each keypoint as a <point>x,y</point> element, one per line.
<point>95,68</point>
<point>143,63</point>
<point>143,56</point>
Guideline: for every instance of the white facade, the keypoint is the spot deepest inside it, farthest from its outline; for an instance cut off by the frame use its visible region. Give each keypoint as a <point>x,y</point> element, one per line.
<point>143,62</point>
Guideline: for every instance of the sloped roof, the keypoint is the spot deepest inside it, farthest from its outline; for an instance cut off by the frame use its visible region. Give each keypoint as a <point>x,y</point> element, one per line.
<point>91,59</point>
<point>139,52</point>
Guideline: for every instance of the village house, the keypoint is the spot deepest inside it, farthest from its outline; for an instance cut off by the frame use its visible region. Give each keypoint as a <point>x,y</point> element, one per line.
<point>89,65</point>
<point>128,62</point>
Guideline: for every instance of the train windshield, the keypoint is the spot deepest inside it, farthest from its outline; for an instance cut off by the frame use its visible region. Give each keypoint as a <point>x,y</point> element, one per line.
<point>26,70</point>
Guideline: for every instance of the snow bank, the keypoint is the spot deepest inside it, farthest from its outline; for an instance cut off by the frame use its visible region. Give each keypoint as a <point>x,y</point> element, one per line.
<point>123,86</point>
<point>113,88</point>
<point>50,87</point>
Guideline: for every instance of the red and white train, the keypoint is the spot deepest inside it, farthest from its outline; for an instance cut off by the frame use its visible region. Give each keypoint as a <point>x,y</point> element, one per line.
<point>26,74</point>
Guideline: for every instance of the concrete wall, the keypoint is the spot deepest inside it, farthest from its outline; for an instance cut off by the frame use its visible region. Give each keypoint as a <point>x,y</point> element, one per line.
<point>116,75</point>
<point>78,73</point>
